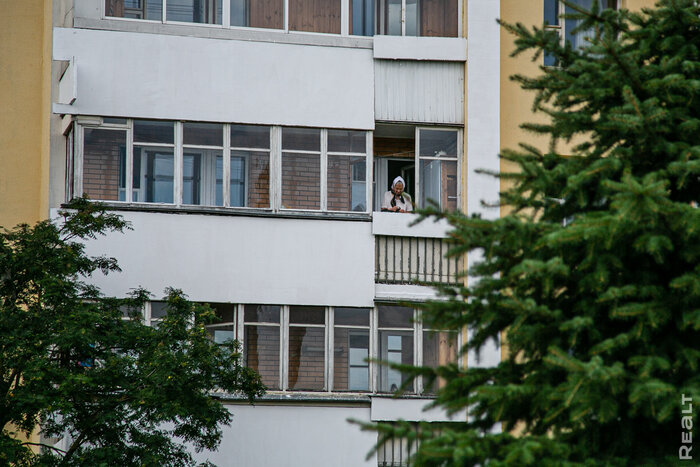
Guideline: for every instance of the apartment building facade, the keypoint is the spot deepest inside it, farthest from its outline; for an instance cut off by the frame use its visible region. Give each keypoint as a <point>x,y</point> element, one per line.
<point>249,143</point>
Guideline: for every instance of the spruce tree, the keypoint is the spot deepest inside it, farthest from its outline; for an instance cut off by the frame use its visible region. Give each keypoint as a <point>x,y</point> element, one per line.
<point>593,279</point>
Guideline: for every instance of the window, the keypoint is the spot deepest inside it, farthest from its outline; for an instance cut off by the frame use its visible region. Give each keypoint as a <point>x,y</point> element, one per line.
<point>437,175</point>
<point>437,18</point>
<point>155,312</point>
<point>307,348</point>
<point>327,349</point>
<point>104,164</point>
<point>395,345</point>
<point>351,349</point>
<point>439,349</point>
<point>427,158</point>
<point>347,171</point>
<point>565,27</point>
<point>362,17</point>
<point>301,168</point>
<point>261,339</point>
<point>314,16</point>
<point>194,11</point>
<point>226,165</point>
<point>135,9</point>
<point>223,330</point>
<point>202,164</point>
<point>249,181</point>
<point>267,14</point>
<point>153,166</point>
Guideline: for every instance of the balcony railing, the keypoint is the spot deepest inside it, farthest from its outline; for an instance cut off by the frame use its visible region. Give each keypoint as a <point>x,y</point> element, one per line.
<point>411,260</point>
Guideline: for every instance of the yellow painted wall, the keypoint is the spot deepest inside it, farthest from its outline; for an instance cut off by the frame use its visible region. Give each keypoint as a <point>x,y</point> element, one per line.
<point>25,88</point>
<point>516,104</point>
<point>25,95</point>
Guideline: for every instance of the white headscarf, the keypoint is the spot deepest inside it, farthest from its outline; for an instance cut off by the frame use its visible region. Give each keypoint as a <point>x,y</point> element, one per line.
<point>397,180</point>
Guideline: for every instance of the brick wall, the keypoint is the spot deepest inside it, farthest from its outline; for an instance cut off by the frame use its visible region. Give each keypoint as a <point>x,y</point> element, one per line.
<point>306,358</point>
<point>262,350</point>
<point>301,178</point>
<point>101,163</point>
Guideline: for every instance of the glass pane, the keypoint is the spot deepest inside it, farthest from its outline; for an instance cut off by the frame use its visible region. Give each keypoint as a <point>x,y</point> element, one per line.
<point>439,349</point>
<point>578,39</point>
<point>262,314</point>
<point>437,18</point>
<point>350,350</point>
<point>201,177</point>
<point>351,316</point>
<point>158,309</point>
<point>220,333</point>
<point>250,179</point>
<point>104,164</point>
<point>315,16</point>
<point>114,121</point>
<point>307,362</point>
<point>394,347</point>
<point>362,17</point>
<point>219,190</point>
<point>412,17</point>
<point>135,9</point>
<point>439,183</point>
<point>195,11</point>
<point>301,139</point>
<point>551,12</point>
<point>153,175</point>
<point>224,311</point>
<point>203,134</point>
<point>346,183</point>
<point>153,131</point>
<point>392,316</point>
<point>347,141</point>
<point>250,136</point>
<point>258,13</point>
<point>438,143</point>
<point>262,353</point>
<point>390,18</point>
<point>307,315</point>
<point>301,181</point>
<point>549,59</point>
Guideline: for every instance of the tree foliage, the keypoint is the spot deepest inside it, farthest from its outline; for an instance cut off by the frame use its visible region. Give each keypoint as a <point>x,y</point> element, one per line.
<point>593,279</point>
<point>86,368</point>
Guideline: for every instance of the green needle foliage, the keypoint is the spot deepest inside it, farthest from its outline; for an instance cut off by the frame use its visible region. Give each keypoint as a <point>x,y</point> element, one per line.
<point>85,367</point>
<point>594,277</point>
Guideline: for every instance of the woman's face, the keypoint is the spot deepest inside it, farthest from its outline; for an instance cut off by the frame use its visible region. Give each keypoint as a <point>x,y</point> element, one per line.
<point>398,188</point>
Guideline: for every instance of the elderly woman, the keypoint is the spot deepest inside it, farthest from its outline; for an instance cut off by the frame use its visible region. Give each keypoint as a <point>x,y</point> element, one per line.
<point>396,200</point>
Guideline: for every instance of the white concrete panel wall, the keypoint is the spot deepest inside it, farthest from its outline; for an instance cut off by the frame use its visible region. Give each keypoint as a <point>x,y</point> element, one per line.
<point>419,91</point>
<point>483,125</point>
<point>420,48</point>
<point>178,77</point>
<point>242,259</point>
<point>290,436</point>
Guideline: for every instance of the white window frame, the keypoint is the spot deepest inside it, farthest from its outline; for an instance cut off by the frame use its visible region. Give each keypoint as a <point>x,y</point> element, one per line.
<point>275,165</point>
<point>419,186</point>
<point>560,26</point>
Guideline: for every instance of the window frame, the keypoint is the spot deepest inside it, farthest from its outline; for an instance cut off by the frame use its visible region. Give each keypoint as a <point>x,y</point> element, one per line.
<point>274,153</point>
<point>419,186</point>
<point>416,327</point>
<point>560,26</point>
<point>345,13</point>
